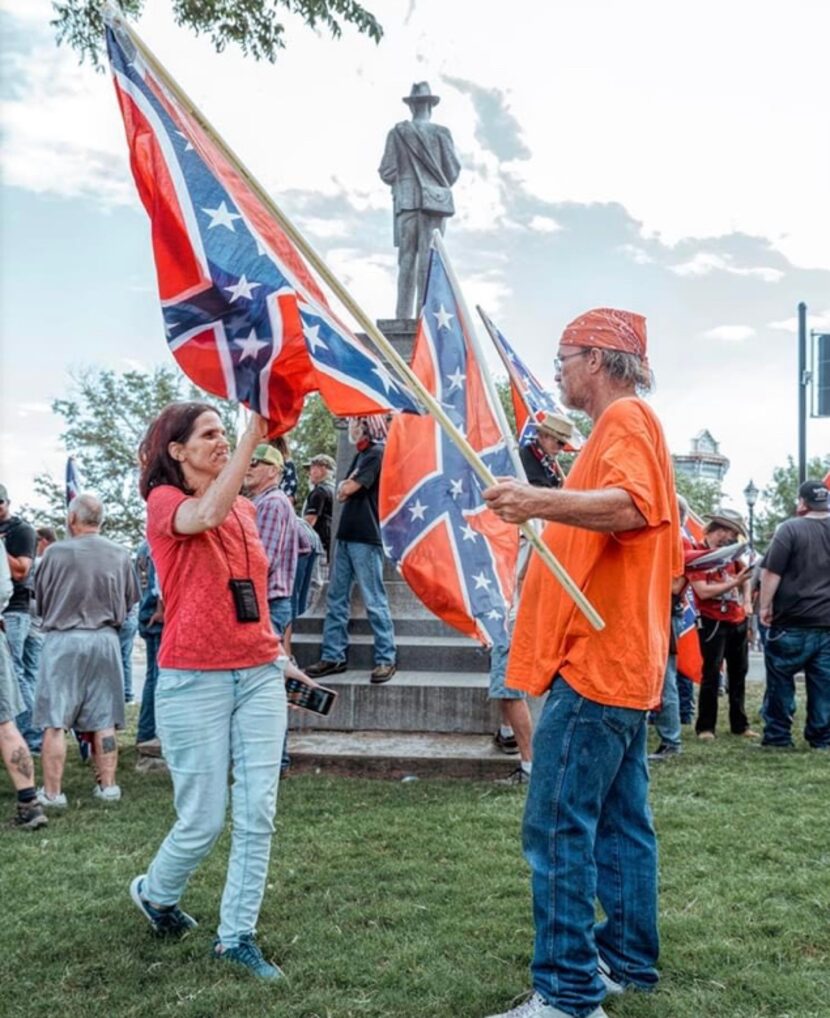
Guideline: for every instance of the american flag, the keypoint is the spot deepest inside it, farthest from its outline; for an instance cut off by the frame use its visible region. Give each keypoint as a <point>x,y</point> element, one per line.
<point>74,480</point>
<point>244,317</point>
<point>529,398</point>
<point>457,557</point>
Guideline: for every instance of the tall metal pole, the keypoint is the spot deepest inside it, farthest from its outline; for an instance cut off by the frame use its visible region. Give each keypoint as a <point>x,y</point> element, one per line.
<point>803,381</point>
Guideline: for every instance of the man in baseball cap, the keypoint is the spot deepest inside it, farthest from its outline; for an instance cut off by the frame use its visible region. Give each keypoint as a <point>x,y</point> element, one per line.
<point>795,604</point>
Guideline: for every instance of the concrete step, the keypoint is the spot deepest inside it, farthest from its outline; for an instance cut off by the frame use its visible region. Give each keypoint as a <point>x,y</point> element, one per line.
<point>424,625</point>
<point>410,702</point>
<point>415,653</point>
<point>399,755</point>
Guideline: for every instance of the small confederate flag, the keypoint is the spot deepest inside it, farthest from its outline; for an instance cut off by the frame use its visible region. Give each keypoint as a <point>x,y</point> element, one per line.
<point>526,392</point>
<point>74,481</point>
<point>244,317</point>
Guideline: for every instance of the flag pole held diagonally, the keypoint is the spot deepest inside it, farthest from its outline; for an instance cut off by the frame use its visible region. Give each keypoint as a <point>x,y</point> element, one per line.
<point>373,333</point>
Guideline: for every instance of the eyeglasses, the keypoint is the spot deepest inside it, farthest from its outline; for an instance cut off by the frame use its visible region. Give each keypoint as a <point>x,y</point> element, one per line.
<point>255,463</point>
<point>559,361</point>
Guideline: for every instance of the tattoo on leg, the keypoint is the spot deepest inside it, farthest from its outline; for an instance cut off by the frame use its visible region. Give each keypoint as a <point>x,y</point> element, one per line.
<point>22,762</point>
<point>108,744</point>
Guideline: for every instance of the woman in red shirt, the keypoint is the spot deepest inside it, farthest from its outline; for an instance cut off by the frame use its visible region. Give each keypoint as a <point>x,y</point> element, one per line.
<point>723,601</point>
<point>220,694</point>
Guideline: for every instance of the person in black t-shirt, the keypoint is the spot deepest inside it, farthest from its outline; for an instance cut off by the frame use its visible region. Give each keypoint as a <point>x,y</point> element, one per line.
<point>319,505</point>
<point>20,542</point>
<point>358,559</point>
<point>795,604</point>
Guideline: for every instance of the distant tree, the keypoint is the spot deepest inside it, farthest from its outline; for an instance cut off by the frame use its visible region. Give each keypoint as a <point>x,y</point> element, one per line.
<point>252,25</point>
<point>781,494</point>
<point>105,419</point>
<point>702,496</point>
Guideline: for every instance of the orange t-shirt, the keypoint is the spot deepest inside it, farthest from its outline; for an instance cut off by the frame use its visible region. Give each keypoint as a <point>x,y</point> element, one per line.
<point>626,576</point>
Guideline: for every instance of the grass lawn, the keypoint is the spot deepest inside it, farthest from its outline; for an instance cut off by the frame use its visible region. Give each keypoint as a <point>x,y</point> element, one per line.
<point>411,899</point>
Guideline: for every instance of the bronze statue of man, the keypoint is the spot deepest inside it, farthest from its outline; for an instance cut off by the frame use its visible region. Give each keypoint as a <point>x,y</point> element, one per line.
<point>420,165</point>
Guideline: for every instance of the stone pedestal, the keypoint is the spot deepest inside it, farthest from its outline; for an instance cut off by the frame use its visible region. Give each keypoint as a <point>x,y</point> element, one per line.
<point>434,715</point>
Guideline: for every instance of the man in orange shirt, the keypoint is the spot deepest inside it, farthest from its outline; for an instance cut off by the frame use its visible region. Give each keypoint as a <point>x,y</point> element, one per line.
<point>614,526</point>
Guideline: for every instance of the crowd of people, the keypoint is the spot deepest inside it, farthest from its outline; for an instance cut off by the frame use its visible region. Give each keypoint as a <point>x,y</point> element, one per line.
<point>227,566</point>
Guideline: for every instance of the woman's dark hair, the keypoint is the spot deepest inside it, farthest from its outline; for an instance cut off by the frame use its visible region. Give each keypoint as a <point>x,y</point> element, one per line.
<point>282,446</point>
<point>173,424</point>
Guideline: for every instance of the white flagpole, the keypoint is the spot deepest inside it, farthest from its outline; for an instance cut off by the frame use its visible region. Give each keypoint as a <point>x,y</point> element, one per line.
<point>373,333</point>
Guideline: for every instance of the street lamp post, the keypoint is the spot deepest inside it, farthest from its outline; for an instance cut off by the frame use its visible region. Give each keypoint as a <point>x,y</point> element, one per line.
<point>751,495</point>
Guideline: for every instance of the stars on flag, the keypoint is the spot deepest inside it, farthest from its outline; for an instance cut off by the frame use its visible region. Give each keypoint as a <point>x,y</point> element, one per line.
<point>468,533</point>
<point>444,317</point>
<point>457,487</point>
<point>222,216</point>
<point>417,510</point>
<point>250,346</point>
<point>312,335</point>
<point>242,288</point>
<point>482,580</point>
<point>456,380</point>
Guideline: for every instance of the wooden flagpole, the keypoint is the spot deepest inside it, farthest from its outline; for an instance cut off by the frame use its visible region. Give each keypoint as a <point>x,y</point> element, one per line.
<point>373,333</point>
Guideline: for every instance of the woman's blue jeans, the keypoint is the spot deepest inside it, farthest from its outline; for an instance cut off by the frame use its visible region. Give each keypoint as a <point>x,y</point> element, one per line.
<point>209,721</point>
<point>588,835</point>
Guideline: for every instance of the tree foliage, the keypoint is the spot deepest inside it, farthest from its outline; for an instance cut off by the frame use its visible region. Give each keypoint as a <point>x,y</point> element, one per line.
<point>781,494</point>
<point>702,496</point>
<point>253,25</point>
<point>105,418</point>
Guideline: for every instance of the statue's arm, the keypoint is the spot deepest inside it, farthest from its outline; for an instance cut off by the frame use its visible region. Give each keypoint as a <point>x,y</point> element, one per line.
<point>449,160</point>
<point>388,168</point>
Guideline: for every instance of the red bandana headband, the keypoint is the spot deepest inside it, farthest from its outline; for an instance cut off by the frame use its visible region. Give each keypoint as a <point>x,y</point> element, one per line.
<point>608,329</point>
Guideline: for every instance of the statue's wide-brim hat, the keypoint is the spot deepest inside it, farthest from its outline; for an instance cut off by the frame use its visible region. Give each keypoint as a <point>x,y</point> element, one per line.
<point>421,92</point>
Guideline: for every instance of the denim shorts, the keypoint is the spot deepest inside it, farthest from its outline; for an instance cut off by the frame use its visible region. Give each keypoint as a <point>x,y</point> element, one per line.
<point>498,668</point>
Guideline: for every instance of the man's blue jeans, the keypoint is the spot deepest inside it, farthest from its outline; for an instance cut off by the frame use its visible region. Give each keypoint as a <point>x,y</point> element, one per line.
<point>686,696</point>
<point>787,652</point>
<point>355,562</point>
<point>588,835</point>
<point>18,625</point>
<point>279,611</point>
<point>667,718</point>
<point>147,715</point>
<point>208,721</point>
<point>126,635</point>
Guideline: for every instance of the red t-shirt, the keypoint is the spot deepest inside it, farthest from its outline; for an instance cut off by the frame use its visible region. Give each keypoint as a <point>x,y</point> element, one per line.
<point>201,630</point>
<point>729,607</point>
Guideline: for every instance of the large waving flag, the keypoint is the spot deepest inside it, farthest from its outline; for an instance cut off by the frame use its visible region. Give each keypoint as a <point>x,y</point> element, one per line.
<point>244,317</point>
<point>458,558</point>
<point>526,392</point>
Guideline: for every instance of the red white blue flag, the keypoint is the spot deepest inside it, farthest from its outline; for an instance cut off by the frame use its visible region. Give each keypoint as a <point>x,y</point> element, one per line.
<point>526,391</point>
<point>74,481</point>
<point>244,317</point>
<point>457,556</point>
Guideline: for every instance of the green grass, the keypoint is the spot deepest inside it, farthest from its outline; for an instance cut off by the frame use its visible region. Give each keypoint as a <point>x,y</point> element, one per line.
<point>411,900</point>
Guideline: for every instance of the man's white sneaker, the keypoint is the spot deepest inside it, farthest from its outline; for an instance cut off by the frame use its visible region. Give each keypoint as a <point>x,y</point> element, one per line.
<point>58,801</point>
<point>537,1008</point>
<point>612,987</point>
<point>112,793</point>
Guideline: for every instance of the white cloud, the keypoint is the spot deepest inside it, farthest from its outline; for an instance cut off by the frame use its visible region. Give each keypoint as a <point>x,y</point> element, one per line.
<point>730,333</point>
<point>705,262</point>
<point>636,254</point>
<point>818,321</point>
<point>544,224</point>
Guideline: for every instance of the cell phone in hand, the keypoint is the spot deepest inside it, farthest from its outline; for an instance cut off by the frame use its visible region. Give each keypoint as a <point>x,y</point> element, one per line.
<point>317,699</point>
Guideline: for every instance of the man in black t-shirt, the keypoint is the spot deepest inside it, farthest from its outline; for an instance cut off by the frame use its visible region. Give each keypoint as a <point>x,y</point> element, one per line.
<point>20,542</point>
<point>539,458</point>
<point>319,505</point>
<point>795,604</point>
<point>358,559</point>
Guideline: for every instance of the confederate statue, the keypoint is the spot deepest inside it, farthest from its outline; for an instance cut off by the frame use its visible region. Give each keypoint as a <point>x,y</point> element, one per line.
<point>421,166</point>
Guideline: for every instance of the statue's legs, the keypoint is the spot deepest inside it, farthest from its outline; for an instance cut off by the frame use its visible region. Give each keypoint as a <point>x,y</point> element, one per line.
<point>407,233</point>
<point>427,223</point>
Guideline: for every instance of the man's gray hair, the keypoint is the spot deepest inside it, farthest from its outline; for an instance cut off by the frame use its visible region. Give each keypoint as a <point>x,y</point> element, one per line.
<point>87,509</point>
<point>628,369</point>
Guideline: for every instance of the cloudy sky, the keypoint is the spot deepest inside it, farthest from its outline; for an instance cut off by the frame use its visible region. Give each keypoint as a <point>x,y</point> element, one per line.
<point>670,160</point>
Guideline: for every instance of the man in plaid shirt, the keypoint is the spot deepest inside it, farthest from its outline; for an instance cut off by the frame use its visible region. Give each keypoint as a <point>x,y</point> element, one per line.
<point>279,530</point>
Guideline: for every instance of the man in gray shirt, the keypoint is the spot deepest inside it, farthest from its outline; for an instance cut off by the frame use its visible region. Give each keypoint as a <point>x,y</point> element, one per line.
<point>84,587</point>
<point>795,604</point>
